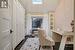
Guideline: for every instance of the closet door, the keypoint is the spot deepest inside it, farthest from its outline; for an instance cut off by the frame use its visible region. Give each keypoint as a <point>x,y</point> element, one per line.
<point>5,25</point>
<point>5,35</point>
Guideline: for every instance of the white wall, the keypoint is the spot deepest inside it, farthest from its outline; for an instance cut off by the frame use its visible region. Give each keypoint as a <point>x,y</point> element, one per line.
<point>45,24</point>
<point>64,15</point>
<point>18,23</point>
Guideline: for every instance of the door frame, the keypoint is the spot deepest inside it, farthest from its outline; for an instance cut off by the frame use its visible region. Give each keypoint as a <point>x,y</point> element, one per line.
<point>28,21</point>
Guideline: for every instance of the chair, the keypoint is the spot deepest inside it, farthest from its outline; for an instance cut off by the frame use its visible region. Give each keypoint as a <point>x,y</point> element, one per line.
<point>45,40</point>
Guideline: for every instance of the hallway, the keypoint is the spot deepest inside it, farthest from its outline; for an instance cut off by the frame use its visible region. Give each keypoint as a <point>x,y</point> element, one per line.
<point>37,25</point>
<point>31,44</point>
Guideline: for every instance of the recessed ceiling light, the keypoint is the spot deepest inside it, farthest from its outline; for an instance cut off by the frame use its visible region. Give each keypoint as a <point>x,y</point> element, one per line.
<point>36,1</point>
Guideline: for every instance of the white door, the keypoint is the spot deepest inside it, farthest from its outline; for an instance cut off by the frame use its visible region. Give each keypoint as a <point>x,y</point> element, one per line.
<point>18,21</point>
<point>5,36</point>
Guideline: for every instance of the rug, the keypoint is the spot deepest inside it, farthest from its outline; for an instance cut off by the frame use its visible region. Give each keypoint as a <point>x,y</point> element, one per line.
<point>31,44</point>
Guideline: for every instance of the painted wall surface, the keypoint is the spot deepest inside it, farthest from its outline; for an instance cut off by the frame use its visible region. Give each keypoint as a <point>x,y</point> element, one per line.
<point>48,5</point>
<point>18,23</point>
<point>64,15</point>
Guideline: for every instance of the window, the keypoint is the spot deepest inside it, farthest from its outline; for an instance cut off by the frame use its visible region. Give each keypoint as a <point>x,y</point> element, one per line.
<point>36,1</point>
<point>36,22</point>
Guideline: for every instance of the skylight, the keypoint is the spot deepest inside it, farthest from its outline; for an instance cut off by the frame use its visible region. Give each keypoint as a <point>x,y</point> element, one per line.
<point>36,1</point>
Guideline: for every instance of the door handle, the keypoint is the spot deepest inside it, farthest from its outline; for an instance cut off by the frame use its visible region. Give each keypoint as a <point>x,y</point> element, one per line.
<point>11,31</point>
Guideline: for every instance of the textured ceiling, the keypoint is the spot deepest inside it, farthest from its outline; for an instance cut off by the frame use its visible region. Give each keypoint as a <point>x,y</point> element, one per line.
<point>48,5</point>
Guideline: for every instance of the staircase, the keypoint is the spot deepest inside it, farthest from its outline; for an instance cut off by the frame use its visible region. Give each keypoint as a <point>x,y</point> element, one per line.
<point>64,39</point>
<point>62,44</point>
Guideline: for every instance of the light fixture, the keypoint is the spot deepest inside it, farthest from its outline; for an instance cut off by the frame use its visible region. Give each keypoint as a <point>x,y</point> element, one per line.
<point>3,4</point>
<point>36,1</point>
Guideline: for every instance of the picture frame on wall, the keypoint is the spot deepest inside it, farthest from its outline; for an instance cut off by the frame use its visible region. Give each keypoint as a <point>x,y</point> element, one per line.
<point>52,20</point>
